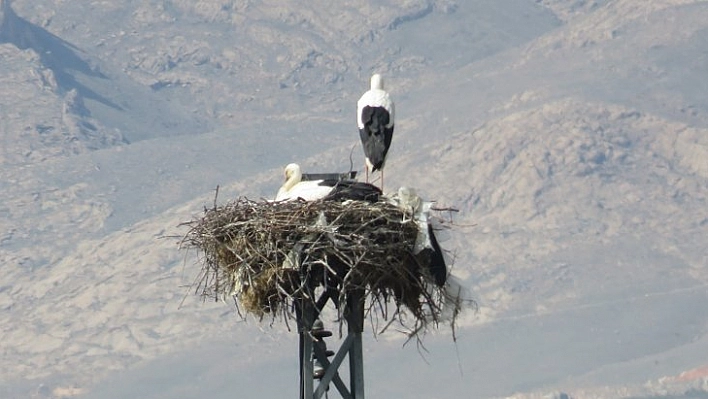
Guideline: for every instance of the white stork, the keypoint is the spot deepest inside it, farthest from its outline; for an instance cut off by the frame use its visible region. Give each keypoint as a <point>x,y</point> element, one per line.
<point>375,119</point>
<point>426,242</point>
<point>329,189</point>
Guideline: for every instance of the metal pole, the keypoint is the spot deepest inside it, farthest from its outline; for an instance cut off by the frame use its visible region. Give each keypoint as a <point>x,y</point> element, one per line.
<point>355,326</point>
<point>307,311</point>
<point>305,320</point>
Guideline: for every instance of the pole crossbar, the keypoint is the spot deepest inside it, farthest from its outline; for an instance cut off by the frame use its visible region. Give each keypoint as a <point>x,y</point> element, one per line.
<point>313,348</point>
<point>331,375</point>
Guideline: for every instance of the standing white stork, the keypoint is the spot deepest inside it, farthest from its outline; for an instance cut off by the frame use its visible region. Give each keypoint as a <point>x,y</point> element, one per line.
<point>329,189</point>
<point>375,119</point>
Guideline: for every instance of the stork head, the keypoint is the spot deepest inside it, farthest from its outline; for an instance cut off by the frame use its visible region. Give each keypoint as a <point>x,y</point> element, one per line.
<point>293,173</point>
<point>377,82</point>
<point>291,170</point>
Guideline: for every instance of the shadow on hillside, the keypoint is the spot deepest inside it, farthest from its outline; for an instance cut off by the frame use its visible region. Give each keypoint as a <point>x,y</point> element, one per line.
<point>55,53</point>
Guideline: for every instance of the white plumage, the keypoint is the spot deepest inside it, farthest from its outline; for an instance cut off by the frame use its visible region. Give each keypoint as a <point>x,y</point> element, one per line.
<point>295,188</point>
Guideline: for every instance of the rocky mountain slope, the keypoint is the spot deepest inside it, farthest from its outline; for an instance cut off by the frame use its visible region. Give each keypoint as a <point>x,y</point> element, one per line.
<point>571,135</point>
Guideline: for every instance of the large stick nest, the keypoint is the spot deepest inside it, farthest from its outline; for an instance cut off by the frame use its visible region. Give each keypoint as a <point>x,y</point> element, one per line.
<point>269,254</point>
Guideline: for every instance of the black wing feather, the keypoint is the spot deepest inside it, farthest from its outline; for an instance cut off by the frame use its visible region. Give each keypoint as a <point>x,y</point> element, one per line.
<point>375,136</point>
<point>438,269</point>
<point>353,190</point>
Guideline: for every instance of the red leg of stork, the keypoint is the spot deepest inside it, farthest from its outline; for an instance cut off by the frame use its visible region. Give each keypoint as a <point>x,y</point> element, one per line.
<point>382,180</point>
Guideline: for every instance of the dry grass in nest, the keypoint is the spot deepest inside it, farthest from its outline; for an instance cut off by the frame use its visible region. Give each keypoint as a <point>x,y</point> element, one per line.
<point>267,254</point>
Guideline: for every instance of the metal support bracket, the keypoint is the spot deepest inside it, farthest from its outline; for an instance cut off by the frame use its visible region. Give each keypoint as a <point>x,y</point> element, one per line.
<point>312,348</point>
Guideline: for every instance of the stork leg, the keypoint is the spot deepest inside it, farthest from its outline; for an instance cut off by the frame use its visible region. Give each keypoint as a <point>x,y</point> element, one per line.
<point>382,181</point>
<point>366,167</point>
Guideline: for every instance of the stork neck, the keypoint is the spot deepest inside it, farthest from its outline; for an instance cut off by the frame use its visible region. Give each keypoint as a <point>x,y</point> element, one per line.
<point>294,179</point>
